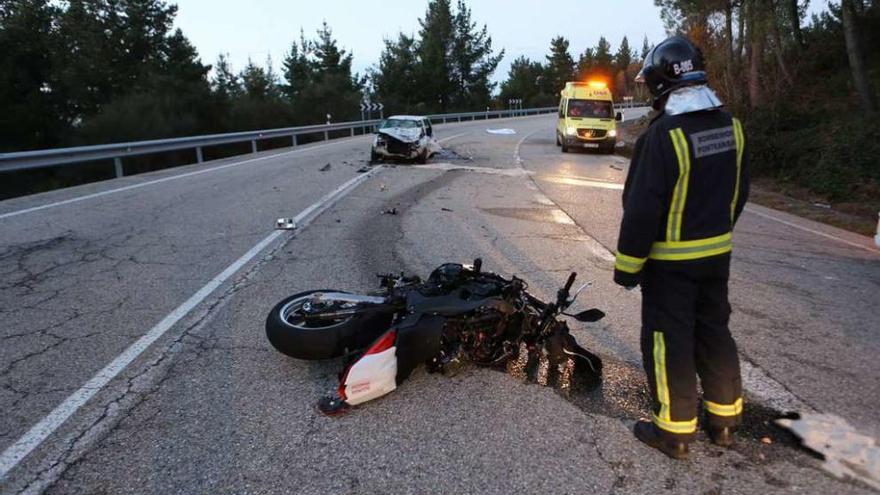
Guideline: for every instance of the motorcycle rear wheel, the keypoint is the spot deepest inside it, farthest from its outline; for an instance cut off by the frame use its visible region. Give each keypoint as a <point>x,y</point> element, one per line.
<point>302,339</point>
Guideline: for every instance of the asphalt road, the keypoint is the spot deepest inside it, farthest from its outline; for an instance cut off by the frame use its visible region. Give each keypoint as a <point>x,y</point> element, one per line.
<point>209,407</point>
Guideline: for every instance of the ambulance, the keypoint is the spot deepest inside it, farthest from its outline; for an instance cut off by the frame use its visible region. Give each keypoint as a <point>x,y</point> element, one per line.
<point>586,117</point>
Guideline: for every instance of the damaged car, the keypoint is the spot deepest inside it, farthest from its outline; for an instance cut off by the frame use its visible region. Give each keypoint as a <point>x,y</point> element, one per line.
<point>404,137</point>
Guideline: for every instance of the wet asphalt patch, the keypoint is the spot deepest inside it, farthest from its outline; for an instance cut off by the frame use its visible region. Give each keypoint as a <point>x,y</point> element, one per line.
<point>622,394</point>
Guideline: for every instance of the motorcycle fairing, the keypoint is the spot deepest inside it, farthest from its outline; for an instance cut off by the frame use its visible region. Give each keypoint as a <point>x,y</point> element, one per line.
<point>391,358</point>
<point>372,375</point>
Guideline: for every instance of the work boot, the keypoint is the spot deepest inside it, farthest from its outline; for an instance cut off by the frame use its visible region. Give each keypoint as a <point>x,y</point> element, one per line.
<point>648,433</point>
<point>721,436</point>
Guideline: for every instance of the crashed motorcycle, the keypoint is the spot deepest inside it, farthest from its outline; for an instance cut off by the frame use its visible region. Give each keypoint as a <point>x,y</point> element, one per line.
<point>460,314</point>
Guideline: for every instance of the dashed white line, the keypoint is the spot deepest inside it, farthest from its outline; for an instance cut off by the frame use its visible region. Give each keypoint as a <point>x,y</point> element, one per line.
<point>14,454</point>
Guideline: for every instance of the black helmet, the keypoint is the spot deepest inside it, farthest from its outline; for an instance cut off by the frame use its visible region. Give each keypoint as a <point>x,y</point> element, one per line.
<point>672,64</point>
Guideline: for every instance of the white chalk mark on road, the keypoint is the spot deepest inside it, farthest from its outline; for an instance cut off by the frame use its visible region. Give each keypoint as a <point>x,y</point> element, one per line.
<point>40,431</point>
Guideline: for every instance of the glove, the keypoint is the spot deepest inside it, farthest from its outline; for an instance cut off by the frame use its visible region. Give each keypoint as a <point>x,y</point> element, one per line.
<point>629,281</point>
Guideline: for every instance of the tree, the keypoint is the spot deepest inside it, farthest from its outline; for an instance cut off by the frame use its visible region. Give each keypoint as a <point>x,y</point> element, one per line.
<point>624,56</point>
<point>394,80</point>
<point>622,61</point>
<point>27,90</point>
<point>560,66</point>
<point>585,64</point>
<point>297,70</point>
<point>855,55</point>
<point>525,81</point>
<point>434,71</point>
<point>473,61</point>
<point>256,81</point>
<point>226,83</point>
<point>645,49</point>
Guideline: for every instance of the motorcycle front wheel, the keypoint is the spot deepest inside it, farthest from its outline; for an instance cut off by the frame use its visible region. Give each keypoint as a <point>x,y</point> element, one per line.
<point>297,337</point>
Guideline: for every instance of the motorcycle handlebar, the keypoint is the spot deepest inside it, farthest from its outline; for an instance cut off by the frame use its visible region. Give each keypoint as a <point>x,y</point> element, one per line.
<point>570,281</point>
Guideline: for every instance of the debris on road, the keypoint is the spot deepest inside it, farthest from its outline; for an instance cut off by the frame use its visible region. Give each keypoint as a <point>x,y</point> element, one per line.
<point>822,205</point>
<point>501,131</point>
<point>445,209</point>
<point>615,167</point>
<point>847,453</point>
<point>324,168</point>
<point>382,186</point>
<point>390,211</point>
<point>363,169</point>
<point>285,224</point>
<point>766,440</point>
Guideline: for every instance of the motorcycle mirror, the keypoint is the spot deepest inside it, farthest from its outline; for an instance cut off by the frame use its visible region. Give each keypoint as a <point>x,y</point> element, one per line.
<point>589,315</point>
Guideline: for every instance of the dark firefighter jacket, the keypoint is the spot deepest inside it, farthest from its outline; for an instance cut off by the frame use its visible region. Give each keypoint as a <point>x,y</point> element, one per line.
<point>686,187</point>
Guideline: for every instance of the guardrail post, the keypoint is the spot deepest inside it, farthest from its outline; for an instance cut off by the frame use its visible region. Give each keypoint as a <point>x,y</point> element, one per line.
<point>117,164</point>
<point>293,140</point>
<point>326,135</point>
<point>352,132</point>
<point>199,157</point>
<point>253,145</point>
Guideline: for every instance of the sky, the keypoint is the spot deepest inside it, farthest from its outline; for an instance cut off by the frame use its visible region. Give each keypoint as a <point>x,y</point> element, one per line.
<point>262,28</point>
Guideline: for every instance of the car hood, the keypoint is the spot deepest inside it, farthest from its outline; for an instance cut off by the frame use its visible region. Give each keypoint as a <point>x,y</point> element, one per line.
<point>405,135</point>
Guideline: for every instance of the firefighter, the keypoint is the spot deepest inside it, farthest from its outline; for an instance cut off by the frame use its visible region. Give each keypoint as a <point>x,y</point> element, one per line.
<point>686,187</point>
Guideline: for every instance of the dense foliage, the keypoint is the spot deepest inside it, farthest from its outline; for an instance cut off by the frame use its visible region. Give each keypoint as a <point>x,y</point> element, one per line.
<point>806,90</point>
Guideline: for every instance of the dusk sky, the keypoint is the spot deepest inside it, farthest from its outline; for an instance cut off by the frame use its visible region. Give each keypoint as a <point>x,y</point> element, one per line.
<point>263,28</point>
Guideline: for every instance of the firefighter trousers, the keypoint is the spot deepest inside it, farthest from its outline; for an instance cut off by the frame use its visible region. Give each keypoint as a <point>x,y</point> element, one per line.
<point>685,333</point>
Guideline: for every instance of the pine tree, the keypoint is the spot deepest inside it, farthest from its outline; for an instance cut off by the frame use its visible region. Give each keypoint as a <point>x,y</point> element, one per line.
<point>28,94</point>
<point>434,71</point>
<point>256,81</point>
<point>525,80</point>
<point>645,49</point>
<point>394,80</point>
<point>226,83</point>
<point>560,66</point>
<point>472,60</point>
<point>585,64</point>
<point>624,56</point>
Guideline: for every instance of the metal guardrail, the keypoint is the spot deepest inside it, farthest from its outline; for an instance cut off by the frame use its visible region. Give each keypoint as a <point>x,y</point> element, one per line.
<point>26,160</point>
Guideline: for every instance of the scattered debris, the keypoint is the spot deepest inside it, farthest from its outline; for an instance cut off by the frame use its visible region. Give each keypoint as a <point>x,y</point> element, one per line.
<point>445,209</point>
<point>766,440</point>
<point>615,167</point>
<point>338,221</point>
<point>324,168</point>
<point>390,211</point>
<point>822,205</point>
<point>501,131</point>
<point>363,170</point>
<point>846,451</point>
<point>382,186</point>
<point>285,224</point>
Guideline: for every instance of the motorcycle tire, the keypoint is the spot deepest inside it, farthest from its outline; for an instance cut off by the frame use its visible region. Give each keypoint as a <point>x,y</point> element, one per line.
<point>311,342</point>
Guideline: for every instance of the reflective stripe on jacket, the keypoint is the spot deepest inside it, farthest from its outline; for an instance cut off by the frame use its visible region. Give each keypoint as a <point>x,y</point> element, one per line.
<point>686,187</point>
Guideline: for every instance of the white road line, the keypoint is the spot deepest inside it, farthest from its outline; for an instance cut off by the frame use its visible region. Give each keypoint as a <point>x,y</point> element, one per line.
<point>164,179</point>
<point>576,181</point>
<point>39,432</point>
<point>807,229</point>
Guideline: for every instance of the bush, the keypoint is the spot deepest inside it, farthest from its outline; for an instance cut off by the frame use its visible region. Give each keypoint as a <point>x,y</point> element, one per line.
<point>832,155</point>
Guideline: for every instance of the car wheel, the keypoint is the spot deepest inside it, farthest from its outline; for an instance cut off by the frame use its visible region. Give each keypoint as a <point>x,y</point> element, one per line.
<point>558,141</point>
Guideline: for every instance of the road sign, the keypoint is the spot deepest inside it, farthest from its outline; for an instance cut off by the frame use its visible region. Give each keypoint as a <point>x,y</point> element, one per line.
<point>364,106</point>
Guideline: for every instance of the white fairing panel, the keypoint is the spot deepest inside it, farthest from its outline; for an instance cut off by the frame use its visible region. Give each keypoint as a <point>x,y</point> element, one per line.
<point>373,375</point>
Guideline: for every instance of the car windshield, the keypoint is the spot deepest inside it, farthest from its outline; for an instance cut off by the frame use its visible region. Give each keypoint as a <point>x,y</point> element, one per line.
<point>596,109</point>
<point>399,124</point>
